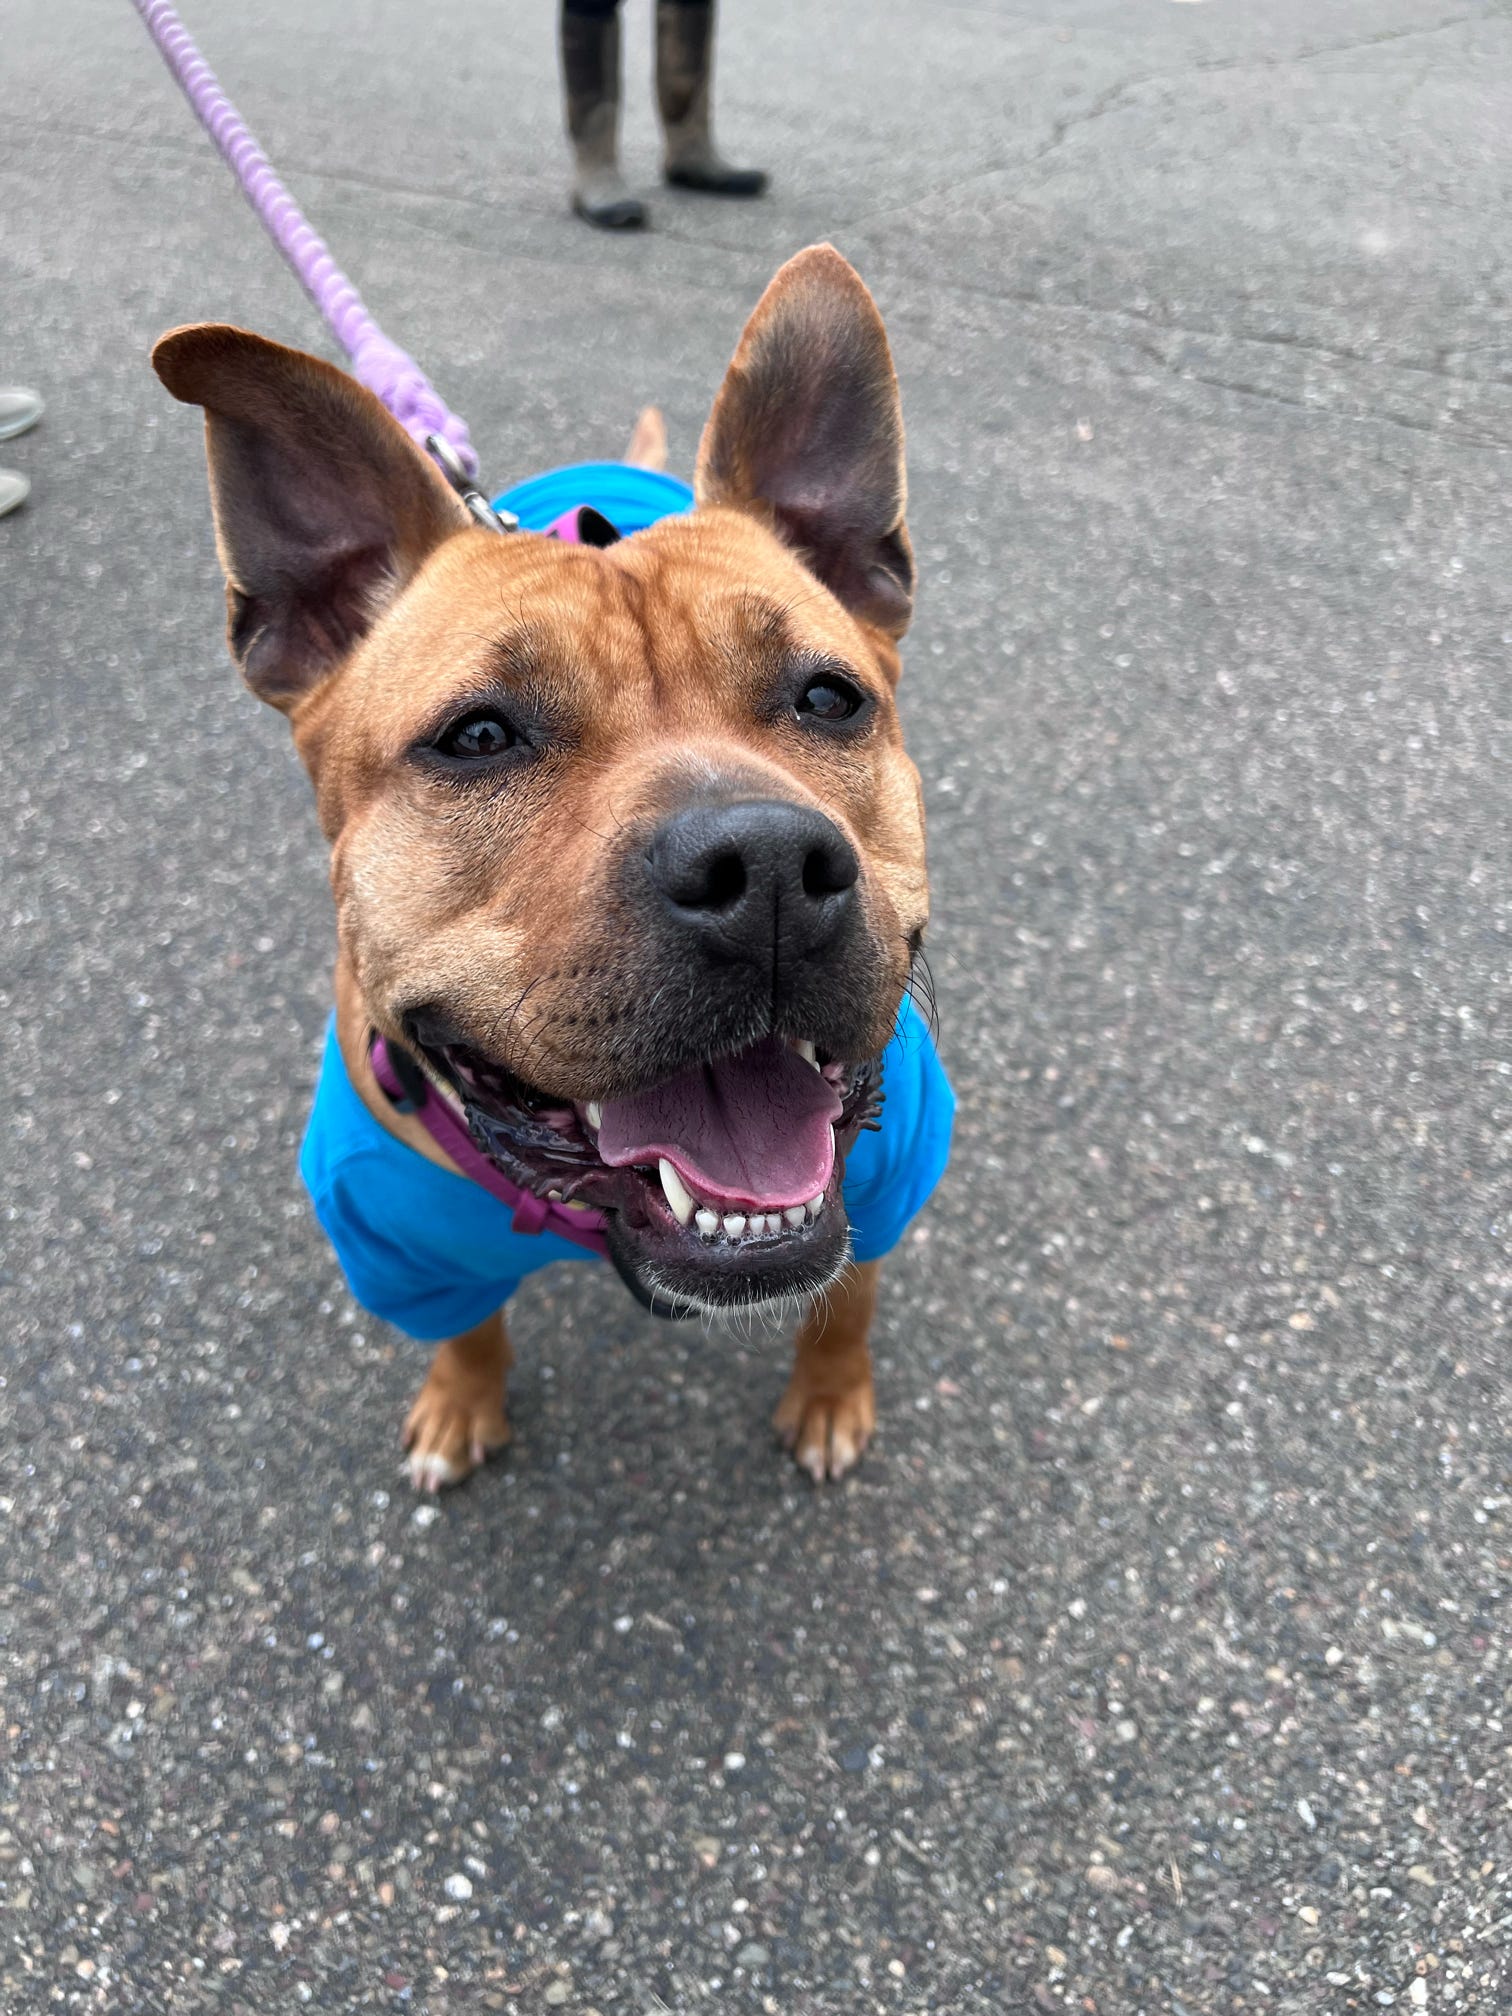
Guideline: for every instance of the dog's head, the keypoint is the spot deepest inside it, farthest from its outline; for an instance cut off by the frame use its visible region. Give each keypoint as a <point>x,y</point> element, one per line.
<point>625,844</point>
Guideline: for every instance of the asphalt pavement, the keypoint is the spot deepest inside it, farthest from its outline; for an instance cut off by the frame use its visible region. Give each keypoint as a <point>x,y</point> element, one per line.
<point>1155,1663</point>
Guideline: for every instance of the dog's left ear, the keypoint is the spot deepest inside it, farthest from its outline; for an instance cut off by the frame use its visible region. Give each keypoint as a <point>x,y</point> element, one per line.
<point>807,430</point>
<point>324,507</point>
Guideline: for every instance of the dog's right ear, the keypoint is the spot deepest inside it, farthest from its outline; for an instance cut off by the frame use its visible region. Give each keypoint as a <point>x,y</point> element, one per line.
<point>324,507</point>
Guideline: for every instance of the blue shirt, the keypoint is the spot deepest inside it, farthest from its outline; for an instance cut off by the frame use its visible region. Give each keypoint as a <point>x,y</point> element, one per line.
<point>434,1253</point>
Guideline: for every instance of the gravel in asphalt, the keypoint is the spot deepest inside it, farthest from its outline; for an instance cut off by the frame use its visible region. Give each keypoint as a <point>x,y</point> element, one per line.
<point>1155,1661</point>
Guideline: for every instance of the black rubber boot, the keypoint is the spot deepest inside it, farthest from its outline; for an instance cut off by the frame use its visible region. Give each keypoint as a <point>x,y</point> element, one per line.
<point>591,81</point>
<point>684,62</point>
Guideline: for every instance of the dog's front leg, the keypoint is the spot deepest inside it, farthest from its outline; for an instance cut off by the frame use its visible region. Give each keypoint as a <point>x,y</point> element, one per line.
<point>458,1416</point>
<point>828,1412</point>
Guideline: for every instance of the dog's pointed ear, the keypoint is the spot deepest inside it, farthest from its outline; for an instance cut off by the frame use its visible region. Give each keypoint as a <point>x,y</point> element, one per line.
<point>324,507</point>
<point>807,430</point>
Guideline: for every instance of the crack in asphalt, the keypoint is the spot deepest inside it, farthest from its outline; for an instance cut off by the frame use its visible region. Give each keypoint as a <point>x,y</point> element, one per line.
<point>1033,303</point>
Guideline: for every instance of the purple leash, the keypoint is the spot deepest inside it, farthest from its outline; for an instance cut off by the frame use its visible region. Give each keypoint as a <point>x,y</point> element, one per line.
<point>376,362</point>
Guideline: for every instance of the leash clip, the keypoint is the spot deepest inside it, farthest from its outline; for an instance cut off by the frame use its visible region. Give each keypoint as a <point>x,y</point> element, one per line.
<point>447,460</point>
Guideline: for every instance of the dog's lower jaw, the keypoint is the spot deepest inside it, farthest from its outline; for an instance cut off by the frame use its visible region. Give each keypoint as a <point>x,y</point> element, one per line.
<point>660,1290</point>
<point>666,1299</point>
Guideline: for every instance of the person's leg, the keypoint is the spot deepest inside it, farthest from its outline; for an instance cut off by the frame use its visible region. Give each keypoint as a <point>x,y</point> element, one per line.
<point>684,64</point>
<point>591,82</point>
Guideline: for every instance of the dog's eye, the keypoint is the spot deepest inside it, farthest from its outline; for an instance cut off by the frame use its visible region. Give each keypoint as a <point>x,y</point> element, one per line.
<point>830,699</point>
<point>476,737</point>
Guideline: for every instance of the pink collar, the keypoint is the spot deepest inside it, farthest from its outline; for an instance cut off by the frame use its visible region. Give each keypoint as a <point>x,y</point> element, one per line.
<point>448,1130</point>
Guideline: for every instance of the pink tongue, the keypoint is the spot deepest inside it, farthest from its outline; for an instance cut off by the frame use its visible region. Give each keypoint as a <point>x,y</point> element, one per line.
<point>752,1129</point>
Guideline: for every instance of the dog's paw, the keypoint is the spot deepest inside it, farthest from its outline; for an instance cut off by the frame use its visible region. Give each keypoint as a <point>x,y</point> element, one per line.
<point>826,1428</point>
<point>454,1425</point>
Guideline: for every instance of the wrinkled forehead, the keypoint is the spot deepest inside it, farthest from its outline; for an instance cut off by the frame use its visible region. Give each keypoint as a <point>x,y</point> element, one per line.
<point>687,610</point>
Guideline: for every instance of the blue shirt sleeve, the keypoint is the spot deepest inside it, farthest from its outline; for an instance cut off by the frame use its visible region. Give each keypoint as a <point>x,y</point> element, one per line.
<point>890,1175</point>
<point>420,1246</point>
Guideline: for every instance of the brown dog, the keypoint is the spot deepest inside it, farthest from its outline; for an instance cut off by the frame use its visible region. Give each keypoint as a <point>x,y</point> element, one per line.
<point>605,821</point>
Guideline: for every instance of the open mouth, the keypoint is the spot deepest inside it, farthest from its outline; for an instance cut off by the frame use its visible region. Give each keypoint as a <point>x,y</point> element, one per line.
<point>720,1185</point>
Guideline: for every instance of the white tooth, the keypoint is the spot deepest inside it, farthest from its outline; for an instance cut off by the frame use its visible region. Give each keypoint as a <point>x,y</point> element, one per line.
<point>734,1225</point>
<point>676,1192</point>
<point>772,1222</point>
<point>555,1196</point>
<point>815,1205</point>
<point>707,1222</point>
<point>595,1115</point>
<point>805,1050</point>
<point>795,1214</point>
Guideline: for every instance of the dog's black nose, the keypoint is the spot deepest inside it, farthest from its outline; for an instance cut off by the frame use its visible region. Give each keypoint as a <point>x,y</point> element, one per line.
<point>760,881</point>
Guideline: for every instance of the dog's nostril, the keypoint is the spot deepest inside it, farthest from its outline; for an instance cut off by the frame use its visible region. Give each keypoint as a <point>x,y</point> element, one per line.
<point>827,872</point>
<point>725,882</point>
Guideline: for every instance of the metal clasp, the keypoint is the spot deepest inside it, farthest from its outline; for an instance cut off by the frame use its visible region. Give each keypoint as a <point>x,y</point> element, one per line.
<point>450,465</point>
